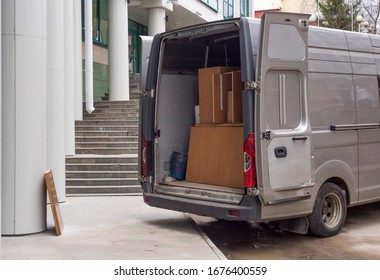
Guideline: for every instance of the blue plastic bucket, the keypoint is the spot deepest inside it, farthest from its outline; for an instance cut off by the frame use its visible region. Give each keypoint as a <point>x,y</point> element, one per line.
<point>178,164</point>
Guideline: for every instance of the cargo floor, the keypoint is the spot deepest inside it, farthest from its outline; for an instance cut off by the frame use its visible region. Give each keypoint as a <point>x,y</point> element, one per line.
<point>201,191</point>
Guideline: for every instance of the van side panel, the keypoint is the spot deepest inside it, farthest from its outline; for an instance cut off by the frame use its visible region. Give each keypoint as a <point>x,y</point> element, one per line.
<point>368,112</point>
<point>178,97</point>
<point>332,102</point>
<point>365,79</point>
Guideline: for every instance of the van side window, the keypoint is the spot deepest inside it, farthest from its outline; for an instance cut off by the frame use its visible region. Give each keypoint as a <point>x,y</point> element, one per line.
<point>285,42</point>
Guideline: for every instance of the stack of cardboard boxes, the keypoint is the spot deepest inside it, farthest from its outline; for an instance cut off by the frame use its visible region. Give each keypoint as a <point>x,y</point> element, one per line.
<point>216,142</point>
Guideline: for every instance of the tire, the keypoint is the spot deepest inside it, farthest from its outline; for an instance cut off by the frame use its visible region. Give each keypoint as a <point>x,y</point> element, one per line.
<point>329,211</point>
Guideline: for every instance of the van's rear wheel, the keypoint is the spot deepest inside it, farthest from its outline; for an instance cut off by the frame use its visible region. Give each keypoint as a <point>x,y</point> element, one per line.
<point>329,212</point>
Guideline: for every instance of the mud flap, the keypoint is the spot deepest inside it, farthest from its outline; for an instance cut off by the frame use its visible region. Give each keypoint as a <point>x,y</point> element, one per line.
<point>297,225</point>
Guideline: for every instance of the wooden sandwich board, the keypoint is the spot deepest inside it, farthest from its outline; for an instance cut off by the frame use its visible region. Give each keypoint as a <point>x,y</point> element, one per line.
<point>50,186</point>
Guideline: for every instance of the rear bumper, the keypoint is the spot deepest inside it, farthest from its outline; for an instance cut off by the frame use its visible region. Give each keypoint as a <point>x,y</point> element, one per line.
<point>249,208</point>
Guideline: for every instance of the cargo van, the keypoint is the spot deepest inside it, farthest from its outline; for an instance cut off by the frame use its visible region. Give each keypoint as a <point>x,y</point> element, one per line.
<point>288,127</point>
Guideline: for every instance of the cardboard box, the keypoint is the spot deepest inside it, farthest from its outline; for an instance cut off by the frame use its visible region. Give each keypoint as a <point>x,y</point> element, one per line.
<point>210,95</point>
<point>216,156</point>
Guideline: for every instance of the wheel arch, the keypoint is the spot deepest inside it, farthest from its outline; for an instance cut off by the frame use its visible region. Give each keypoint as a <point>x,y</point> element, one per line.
<point>341,174</point>
<point>343,185</point>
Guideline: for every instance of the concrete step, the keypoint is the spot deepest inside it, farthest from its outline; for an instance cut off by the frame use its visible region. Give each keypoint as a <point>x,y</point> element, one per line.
<point>107,122</point>
<point>130,104</point>
<point>91,159</point>
<point>105,139</point>
<point>88,182</point>
<point>105,151</point>
<point>102,190</point>
<point>106,127</point>
<point>131,107</point>
<point>108,167</point>
<point>98,110</point>
<point>97,174</point>
<point>106,144</point>
<point>103,133</point>
<point>116,115</point>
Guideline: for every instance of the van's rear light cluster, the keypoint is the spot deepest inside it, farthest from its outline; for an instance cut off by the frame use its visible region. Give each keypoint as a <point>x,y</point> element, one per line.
<point>250,162</point>
<point>234,213</point>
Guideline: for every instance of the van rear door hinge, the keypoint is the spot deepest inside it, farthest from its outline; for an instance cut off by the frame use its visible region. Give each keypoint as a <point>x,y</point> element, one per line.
<point>266,135</point>
<point>251,85</point>
<point>147,92</point>
<point>253,191</point>
<point>143,179</point>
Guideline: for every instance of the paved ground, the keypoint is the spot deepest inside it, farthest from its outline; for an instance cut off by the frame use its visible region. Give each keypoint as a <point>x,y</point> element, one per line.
<point>358,240</point>
<point>114,228</point>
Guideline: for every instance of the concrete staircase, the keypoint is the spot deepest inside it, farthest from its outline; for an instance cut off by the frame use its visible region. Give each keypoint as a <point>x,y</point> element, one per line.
<point>106,144</point>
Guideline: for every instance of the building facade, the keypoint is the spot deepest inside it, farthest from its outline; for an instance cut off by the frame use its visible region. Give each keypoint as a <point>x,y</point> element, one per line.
<point>292,6</point>
<point>44,82</point>
<point>149,17</point>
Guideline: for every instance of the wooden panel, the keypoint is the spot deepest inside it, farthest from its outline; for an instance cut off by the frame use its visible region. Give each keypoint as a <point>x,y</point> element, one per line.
<point>237,103</point>
<point>50,186</point>
<point>205,85</point>
<point>221,84</point>
<point>234,97</point>
<point>216,156</point>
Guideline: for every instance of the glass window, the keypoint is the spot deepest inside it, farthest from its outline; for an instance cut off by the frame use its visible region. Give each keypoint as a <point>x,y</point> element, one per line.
<point>228,8</point>
<point>102,29</point>
<point>212,3</point>
<point>99,21</point>
<point>244,8</point>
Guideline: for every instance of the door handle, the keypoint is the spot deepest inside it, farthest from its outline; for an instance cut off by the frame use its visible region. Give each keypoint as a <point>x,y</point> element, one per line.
<point>299,138</point>
<point>280,152</point>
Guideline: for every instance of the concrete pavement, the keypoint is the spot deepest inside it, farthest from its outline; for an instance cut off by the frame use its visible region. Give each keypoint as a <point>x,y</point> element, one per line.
<point>113,228</point>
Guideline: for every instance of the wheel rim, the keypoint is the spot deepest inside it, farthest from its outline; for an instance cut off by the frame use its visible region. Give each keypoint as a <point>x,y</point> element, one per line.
<point>331,211</point>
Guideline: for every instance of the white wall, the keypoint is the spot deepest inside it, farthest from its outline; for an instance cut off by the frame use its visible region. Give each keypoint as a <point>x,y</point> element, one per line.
<point>260,5</point>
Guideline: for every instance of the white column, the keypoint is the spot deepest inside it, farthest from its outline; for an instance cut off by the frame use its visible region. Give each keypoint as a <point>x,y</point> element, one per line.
<point>156,21</point>
<point>89,68</point>
<point>0,130</point>
<point>24,93</point>
<point>69,78</point>
<point>56,96</point>
<point>78,82</point>
<point>118,50</point>
<point>156,15</point>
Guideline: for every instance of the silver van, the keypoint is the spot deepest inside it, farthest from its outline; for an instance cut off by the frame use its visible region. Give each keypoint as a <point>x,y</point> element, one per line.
<point>288,126</point>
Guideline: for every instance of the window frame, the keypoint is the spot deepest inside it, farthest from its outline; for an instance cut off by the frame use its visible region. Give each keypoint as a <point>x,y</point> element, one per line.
<point>96,28</point>
<point>207,2</point>
<point>244,8</point>
<point>229,12</point>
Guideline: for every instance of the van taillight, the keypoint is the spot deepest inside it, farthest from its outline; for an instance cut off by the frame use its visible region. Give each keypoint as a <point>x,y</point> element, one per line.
<point>144,156</point>
<point>250,162</point>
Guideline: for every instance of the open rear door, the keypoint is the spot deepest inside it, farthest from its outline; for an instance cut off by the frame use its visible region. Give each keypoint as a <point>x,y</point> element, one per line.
<point>284,148</point>
<point>146,113</point>
<point>146,45</point>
